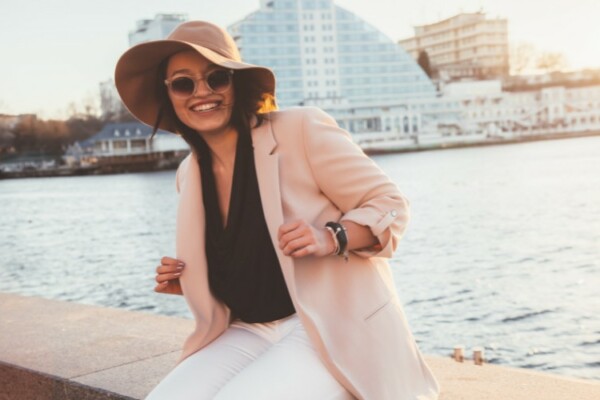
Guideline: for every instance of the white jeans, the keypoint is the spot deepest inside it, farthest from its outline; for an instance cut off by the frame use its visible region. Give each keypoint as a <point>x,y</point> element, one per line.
<point>273,360</point>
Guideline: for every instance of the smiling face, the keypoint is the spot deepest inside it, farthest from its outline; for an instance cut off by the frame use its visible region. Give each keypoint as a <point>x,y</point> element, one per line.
<point>206,112</point>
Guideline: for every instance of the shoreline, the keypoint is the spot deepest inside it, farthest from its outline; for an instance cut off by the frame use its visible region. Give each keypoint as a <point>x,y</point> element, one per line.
<point>127,166</point>
<point>481,143</point>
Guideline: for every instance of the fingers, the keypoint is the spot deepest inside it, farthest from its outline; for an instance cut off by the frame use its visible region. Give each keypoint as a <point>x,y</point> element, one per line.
<point>163,279</point>
<point>173,287</point>
<point>305,251</point>
<point>169,269</point>
<point>301,231</point>
<point>169,264</point>
<point>161,286</point>
<point>165,269</point>
<point>293,247</point>
<point>289,227</point>
<point>297,239</point>
<point>170,261</point>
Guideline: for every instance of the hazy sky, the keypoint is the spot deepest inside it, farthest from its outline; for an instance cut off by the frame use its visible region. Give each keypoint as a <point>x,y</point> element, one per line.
<point>54,52</point>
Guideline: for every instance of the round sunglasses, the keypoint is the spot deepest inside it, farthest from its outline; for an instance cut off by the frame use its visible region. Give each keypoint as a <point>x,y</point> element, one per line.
<point>217,81</point>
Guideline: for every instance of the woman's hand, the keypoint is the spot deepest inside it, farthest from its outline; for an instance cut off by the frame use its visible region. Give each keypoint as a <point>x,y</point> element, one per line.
<point>300,239</point>
<point>167,276</point>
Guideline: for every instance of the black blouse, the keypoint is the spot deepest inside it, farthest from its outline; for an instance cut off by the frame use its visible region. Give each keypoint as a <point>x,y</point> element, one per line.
<point>243,269</point>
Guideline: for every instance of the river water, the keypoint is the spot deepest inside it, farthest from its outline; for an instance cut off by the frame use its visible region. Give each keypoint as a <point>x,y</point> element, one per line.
<point>503,250</point>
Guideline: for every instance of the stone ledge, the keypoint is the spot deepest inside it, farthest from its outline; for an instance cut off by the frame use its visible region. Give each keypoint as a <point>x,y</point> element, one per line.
<point>20,383</point>
<point>58,350</point>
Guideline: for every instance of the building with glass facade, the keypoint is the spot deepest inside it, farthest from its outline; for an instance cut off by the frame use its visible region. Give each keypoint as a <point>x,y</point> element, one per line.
<point>327,56</point>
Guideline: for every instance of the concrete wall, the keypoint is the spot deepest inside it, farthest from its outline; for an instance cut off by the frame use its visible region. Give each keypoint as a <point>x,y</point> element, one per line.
<point>58,350</point>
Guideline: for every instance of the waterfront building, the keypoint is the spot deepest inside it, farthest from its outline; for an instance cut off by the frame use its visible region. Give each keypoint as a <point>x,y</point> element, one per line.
<point>326,56</point>
<point>131,138</point>
<point>464,46</point>
<point>125,144</point>
<point>488,109</point>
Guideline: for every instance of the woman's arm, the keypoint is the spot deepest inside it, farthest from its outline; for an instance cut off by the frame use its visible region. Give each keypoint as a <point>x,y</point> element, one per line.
<point>299,238</point>
<point>369,200</point>
<point>375,213</point>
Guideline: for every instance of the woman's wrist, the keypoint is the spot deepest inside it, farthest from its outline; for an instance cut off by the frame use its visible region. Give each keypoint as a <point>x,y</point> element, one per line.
<point>340,237</point>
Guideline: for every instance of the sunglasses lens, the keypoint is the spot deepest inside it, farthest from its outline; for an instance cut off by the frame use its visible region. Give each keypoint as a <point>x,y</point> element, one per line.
<point>218,81</point>
<point>183,86</point>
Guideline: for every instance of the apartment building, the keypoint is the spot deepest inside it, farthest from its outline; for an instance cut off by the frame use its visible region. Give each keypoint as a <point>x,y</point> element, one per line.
<point>467,45</point>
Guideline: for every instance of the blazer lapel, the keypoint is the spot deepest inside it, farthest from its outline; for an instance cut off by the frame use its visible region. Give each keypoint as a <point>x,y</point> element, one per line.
<point>266,161</point>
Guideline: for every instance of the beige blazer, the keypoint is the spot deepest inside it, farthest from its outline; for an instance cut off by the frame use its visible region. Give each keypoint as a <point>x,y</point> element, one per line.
<point>309,168</point>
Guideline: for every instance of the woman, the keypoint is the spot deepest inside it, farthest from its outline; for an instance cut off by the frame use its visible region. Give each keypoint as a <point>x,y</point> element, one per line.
<point>283,231</point>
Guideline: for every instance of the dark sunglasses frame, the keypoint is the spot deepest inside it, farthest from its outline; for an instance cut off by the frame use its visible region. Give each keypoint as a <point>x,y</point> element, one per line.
<point>195,80</point>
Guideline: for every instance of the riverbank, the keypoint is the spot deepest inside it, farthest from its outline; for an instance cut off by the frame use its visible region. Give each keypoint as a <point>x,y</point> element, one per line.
<point>103,166</point>
<point>467,141</point>
<point>158,162</point>
<point>52,349</point>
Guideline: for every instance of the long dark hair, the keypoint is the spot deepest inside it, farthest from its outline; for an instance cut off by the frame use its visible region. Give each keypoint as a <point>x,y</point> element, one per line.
<point>251,100</point>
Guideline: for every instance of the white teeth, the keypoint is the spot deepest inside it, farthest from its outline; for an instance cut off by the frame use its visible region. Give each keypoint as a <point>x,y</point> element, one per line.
<point>205,107</point>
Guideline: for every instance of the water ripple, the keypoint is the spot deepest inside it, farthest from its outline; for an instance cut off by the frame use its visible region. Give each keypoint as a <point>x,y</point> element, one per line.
<point>432,299</point>
<point>594,343</point>
<point>526,316</point>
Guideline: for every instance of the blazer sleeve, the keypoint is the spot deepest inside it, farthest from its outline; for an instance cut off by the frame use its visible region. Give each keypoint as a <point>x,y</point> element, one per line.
<point>354,183</point>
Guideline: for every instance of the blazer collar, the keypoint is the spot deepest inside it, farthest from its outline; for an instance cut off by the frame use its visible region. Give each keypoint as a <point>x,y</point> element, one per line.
<point>263,138</point>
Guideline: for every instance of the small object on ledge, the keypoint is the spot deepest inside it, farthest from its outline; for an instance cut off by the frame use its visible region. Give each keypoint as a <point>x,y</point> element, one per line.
<point>478,358</point>
<point>459,353</point>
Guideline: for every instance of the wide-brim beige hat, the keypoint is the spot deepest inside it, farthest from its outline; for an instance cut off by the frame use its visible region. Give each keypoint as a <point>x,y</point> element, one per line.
<point>136,72</point>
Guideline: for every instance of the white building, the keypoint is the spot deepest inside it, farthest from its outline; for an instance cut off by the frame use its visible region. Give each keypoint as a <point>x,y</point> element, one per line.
<point>324,55</point>
<point>327,56</point>
<point>127,143</point>
<point>466,45</point>
<point>486,109</point>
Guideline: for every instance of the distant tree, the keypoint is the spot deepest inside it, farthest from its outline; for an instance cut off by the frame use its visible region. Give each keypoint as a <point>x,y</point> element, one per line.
<point>424,62</point>
<point>87,107</point>
<point>551,62</point>
<point>25,139</point>
<point>82,128</point>
<point>525,58</point>
<point>83,120</point>
<point>41,136</point>
<point>7,138</point>
<point>32,134</point>
<point>522,58</point>
<point>124,115</point>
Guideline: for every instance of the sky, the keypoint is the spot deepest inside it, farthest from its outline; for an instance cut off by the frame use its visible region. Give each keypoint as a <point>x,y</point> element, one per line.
<point>54,53</point>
